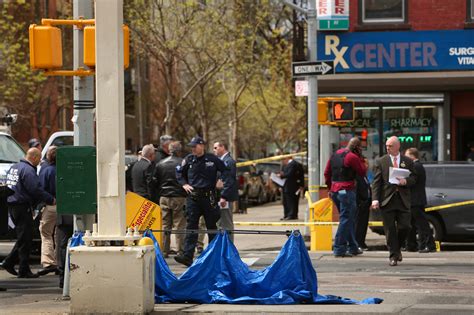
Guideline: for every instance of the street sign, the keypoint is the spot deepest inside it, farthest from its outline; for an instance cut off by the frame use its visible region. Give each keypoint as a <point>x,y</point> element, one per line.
<point>301,88</point>
<point>312,68</point>
<point>333,25</point>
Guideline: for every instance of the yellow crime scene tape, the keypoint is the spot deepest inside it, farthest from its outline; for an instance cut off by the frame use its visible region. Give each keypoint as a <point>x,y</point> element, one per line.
<point>269,159</point>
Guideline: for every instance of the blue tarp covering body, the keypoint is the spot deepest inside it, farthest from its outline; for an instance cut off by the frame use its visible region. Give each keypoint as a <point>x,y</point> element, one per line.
<point>220,276</point>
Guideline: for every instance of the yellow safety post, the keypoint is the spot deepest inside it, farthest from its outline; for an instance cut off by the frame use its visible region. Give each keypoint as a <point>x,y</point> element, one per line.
<point>321,234</point>
<point>145,214</point>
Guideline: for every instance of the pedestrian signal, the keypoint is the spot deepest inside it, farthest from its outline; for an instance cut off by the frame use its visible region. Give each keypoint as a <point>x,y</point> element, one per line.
<point>45,47</point>
<point>89,46</point>
<point>342,111</point>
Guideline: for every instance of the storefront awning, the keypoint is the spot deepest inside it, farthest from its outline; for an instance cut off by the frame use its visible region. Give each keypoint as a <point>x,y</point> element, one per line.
<point>390,97</point>
<point>396,82</point>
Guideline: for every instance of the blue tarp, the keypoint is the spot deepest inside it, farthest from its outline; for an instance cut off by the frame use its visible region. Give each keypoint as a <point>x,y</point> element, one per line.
<point>220,276</point>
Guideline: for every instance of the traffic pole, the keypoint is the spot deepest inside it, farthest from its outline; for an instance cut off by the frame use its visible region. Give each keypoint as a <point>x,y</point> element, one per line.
<point>313,128</point>
<point>84,103</point>
<point>312,103</point>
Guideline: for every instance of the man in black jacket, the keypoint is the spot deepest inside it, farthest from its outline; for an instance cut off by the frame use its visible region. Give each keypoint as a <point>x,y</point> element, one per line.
<point>419,223</point>
<point>172,197</point>
<point>293,172</point>
<point>142,172</point>
<point>364,199</point>
<point>23,180</point>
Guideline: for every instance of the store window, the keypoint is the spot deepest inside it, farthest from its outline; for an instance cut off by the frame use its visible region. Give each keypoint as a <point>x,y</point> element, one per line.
<point>382,11</point>
<point>415,126</point>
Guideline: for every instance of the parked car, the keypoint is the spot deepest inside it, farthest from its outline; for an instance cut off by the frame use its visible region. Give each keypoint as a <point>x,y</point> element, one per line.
<point>272,190</point>
<point>447,183</point>
<point>251,184</point>
<point>10,153</point>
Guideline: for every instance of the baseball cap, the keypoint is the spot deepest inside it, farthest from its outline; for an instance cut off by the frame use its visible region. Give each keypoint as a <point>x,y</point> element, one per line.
<point>195,141</point>
<point>33,143</point>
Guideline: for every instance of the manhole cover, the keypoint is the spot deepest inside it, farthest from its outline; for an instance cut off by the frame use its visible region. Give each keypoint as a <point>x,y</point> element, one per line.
<point>430,280</point>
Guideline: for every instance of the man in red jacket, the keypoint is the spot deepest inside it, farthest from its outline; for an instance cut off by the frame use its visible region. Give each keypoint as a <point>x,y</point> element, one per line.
<point>340,175</point>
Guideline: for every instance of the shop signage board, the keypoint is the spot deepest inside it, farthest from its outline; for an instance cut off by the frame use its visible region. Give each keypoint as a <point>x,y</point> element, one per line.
<point>332,14</point>
<point>398,51</point>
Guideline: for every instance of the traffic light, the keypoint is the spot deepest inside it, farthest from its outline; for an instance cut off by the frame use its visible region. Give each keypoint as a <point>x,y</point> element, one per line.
<point>89,46</point>
<point>342,111</point>
<point>322,112</point>
<point>45,47</point>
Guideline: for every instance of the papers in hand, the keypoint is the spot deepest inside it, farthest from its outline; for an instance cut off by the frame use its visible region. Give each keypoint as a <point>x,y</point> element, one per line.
<point>394,172</point>
<point>279,181</point>
<point>225,206</point>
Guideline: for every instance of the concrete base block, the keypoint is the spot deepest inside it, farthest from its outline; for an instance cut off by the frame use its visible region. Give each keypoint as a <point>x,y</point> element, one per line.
<point>118,279</point>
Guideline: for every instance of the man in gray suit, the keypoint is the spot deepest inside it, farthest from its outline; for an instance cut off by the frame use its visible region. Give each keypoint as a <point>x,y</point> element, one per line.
<point>393,199</point>
<point>228,187</point>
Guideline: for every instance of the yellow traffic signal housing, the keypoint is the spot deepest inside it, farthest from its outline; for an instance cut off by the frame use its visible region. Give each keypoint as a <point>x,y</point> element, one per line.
<point>322,112</point>
<point>342,111</point>
<point>89,46</point>
<point>45,47</point>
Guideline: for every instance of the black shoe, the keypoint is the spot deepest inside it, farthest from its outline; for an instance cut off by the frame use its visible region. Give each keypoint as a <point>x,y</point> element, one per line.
<point>28,275</point>
<point>343,255</point>
<point>426,250</point>
<point>283,219</point>
<point>400,258</point>
<point>46,270</point>
<point>184,260</point>
<point>393,262</point>
<point>357,252</point>
<point>8,268</point>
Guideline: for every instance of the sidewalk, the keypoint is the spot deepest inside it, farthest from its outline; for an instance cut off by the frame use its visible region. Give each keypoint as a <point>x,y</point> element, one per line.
<point>435,283</point>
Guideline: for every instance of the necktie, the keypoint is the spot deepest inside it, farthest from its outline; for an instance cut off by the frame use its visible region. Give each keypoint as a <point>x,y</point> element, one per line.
<point>395,164</point>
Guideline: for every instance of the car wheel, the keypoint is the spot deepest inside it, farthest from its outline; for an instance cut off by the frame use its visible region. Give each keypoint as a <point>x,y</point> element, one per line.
<point>436,228</point>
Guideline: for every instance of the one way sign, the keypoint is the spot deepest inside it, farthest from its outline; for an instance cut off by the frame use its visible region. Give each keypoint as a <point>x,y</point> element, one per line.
<point>312,68</point>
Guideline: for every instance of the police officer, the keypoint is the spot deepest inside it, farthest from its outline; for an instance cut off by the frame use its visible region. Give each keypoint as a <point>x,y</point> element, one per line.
<point>198,176</point>
<point>24,181</point>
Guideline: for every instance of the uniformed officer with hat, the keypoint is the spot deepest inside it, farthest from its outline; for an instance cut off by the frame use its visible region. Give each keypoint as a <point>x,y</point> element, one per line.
<point>198,175</point>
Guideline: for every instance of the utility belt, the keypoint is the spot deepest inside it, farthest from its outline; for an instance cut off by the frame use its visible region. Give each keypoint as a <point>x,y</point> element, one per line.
<point>202,194</point>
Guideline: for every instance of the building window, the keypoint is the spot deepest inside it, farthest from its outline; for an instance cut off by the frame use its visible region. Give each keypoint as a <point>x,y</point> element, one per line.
<point>470,11</point>
<point>383,11</point>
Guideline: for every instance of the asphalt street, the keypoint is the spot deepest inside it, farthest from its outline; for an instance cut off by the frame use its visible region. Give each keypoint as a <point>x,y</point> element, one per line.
<point>434,283</point>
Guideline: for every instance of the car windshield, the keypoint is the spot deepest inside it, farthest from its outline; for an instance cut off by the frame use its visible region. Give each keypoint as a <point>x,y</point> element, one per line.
<point>10,151</point>
<point>269,167</point>
<point>63,140</point>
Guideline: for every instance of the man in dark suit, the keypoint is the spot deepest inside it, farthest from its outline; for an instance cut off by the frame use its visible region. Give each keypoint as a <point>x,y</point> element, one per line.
<point>293,172</point>
<point>364,199</point>
<point>226,183</point>
<point>142,172</point>
<point>393,199</point>
<point>419,223</point>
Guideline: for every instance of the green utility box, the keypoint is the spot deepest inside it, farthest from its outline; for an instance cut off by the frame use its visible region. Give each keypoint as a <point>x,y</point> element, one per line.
<point>76,180</point>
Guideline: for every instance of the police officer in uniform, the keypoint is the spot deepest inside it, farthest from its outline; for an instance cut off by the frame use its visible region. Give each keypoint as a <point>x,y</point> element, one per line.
<point>198,175</point>
<point>23,180</point>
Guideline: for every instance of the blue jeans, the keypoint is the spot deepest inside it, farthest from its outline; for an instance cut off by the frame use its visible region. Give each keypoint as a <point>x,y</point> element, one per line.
<point>345,237</point>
